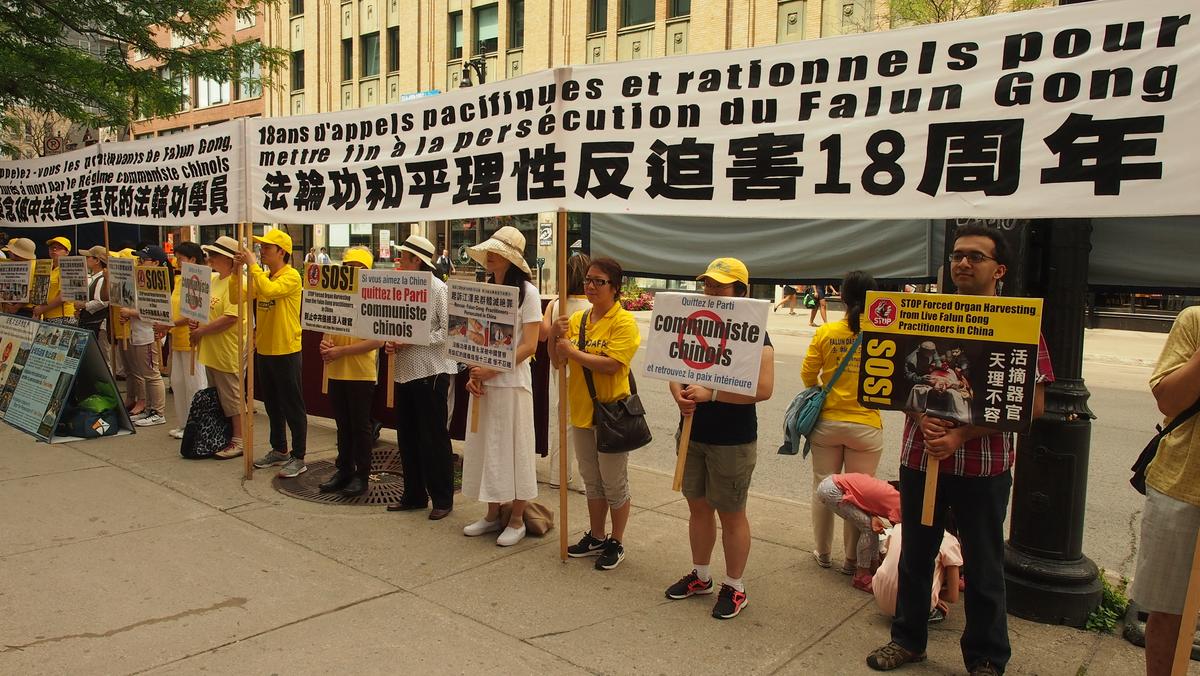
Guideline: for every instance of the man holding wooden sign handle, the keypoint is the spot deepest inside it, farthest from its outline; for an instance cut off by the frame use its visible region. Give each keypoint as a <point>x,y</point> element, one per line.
<point>975,480</point>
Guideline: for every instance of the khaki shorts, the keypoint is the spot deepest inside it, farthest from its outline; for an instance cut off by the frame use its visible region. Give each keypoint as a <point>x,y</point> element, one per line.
<point>229,390</point>
<point>719,474</point>
<point>1165,554</point>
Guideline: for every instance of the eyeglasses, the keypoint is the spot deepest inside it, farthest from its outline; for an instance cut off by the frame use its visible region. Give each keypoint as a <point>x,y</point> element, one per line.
<point>595,281</point>
<point>973,256</point>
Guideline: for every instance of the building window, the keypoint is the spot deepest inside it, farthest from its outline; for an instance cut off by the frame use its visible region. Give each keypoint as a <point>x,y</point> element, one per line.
<point>516,24</point>
<point>598,16</point>
<point>455,35</point>
<point>393,49</point>
<point>677,8</point>
<point>211,92</point>
<point>250,81</point>
<point>636,12</point>
<point>369,53</point>
<point>179,83</point>
<point>297,7</point>
<point>347,59</point>
<point>298,70</point>
<point>486,29</point>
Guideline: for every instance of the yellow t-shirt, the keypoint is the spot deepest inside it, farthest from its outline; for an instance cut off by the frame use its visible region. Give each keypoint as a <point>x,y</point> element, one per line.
<point>1175,470</point>
<point>616,336</point>
<point>355,367</point>
<point>825,353</point>
<point>277,309</point>
<point>220,350</point>
<point>67,309</point>
<point>180,340</point>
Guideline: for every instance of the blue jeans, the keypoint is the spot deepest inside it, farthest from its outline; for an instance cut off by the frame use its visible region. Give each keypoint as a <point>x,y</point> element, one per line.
<point>978,505</point>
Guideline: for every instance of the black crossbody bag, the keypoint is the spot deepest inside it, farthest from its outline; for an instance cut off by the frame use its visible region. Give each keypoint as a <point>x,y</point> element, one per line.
<point>1138,480</point>
<point>620,425</point>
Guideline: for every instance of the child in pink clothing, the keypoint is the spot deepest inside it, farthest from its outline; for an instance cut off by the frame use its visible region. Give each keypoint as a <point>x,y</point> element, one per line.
<point>945,576</point>
<point>858,498</point>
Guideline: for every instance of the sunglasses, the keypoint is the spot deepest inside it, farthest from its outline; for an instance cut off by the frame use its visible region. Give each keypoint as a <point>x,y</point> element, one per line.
<point>595,281</point>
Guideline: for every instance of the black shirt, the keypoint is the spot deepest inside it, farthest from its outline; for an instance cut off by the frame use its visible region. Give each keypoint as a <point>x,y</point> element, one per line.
<point>725,424</point>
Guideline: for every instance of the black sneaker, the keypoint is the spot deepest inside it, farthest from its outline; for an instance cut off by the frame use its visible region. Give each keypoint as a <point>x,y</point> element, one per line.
<point>729,603</point>
<point>587,546</point>
<point>613,555</point>
<point>689,585</point>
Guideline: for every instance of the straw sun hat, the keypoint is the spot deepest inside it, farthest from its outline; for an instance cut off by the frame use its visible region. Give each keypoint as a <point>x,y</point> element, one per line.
<point>507,242</point>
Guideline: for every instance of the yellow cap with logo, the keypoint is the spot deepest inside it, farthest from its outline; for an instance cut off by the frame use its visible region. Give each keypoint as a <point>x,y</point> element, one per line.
<point>61,241</point>
<point>358,255</point>
<point>727,271</point>
<point>277,237</point>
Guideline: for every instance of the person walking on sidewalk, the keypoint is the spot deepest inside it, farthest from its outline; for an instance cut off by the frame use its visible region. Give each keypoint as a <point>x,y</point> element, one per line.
<point>720,462</point>
<point>498,459</point>
<point>1171,516</point>
<point>974,481</point>
<point>611,340</point>
<point>788,301</point>
<point>352,366</point>
<point>184,383</point>
<point>145,355</point>
<point>279,367</point>
<point>218,340</point>
<point>422,388</point>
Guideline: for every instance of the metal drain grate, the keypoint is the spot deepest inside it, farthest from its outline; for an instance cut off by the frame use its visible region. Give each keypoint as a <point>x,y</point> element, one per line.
<point>385,487</point>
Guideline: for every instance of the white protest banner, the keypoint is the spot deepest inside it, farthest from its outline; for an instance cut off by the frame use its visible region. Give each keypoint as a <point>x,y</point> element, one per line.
<point>713,341</point>
<point>121,282</point>
<point>482,321</point>
<point>154,293</point>
<point>15,277</point>
<point>194,177</point>
<point>329,297</point>
<point>51,191</point>
<point>394,305</point>
<point>195,296</point>
<point>73,276</point>
<point>39,290</point>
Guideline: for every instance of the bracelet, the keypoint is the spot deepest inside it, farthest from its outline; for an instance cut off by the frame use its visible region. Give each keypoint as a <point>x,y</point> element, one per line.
<point>714,395</point>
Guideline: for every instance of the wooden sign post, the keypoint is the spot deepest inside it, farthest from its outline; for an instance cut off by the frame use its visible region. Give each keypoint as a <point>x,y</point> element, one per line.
<point>1187,625</point>
<point>930,496</point>
<point>563,468</point>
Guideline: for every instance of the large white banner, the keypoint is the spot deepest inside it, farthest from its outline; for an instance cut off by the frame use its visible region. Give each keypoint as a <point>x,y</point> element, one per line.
<point>51,191</point>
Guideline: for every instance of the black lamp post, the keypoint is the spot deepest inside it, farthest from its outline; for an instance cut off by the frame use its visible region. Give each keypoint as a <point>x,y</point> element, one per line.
<point>476,64</point>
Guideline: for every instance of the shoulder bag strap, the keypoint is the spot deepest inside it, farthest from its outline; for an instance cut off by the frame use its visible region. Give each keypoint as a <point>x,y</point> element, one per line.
<point>587,372</point>
<point>1180,419</point>
<point>845,361</point>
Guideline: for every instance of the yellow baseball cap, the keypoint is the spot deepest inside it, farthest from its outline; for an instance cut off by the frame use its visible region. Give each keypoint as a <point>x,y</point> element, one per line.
<point>277,237</point>
<point>727,271</point>
<point>361,256</point>
<point>61,241</point>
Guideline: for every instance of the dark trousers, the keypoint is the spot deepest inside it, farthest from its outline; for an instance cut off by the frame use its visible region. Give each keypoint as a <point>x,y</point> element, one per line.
<point>979,505</point>
<point>279,381</point>
<point>424,440</point>
<point>355,434</point>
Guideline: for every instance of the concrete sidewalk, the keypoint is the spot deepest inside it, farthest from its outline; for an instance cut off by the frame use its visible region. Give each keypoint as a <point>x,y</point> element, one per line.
<point>120,557</point>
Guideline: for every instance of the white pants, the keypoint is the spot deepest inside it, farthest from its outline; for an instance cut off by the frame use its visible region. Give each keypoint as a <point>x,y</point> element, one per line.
<point>184,385</point>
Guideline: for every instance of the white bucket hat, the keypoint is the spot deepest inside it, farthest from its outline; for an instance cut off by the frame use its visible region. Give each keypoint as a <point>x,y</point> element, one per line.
<point>22,247</point>
<point>224,246</point>
<point>419,247</point>
<point>507,242</point>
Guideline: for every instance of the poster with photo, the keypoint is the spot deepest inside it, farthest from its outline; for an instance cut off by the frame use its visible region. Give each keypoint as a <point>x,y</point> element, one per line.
<point>195,295</point>
<point>14,281</point>
<point>39,289</point>
<point>154,293</point>
<point>482,321</point>
<point>16,340</point>
<point>74,278</point>
<point>394,305</point>
<point>122,284</point>
<point>712,341</point>
<point>47,374</point>
<point>969,359</point>
<point>329,293</point>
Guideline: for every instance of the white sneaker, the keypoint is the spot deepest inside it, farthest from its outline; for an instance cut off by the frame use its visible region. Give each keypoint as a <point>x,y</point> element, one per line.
<point>176,433</point>
<point>146,413</point>
<point>155,418</point>
<point>481,527</point>
<point>511,536</point>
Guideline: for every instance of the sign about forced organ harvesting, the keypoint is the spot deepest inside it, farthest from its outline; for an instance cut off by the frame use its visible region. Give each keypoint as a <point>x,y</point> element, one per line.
<point>393,305</point>
<point>14,281</point>
<point>74,278</point>
<point>121,282</point>
<point>195,294</point>
<point>482,324</point>
<point>712,341</point>
<point>154,293</point>
<point>970,359</point>
<point>329,298</point>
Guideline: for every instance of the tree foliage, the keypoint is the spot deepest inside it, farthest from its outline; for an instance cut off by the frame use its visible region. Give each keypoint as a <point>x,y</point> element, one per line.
<point>921,12</point>
<point>45,63</point>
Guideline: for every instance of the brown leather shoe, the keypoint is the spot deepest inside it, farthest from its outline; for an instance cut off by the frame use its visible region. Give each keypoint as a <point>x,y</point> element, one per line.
<point>437,514</point>
<point>403,507</point>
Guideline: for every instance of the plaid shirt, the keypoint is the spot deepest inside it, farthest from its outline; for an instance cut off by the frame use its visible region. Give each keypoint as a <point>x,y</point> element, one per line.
<point>986,456</point>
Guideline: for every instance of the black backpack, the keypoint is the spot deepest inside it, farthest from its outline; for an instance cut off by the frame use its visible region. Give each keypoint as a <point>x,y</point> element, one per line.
<point>207,430</point>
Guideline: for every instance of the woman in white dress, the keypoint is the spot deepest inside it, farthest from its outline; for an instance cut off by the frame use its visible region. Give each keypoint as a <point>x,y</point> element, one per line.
<point>499,458</point>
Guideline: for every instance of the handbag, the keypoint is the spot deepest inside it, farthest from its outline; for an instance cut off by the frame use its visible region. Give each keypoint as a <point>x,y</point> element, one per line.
<point>805,410</point>
<point>1138,480</point>
<point>620,425</point>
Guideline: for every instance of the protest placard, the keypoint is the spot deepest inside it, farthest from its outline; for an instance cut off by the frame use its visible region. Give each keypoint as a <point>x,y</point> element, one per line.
<point>39,289</point>
<point>16,340</point>
<point>329,295</point>
<point>393,305</point>
<point>41,377</point>
<point>154,293</point>
<point>121,283</point>
<point>14,281</point>
<point>73,273</point>
<point>712,341</point>
<point>482,321</point>
<point>969,359</point>
<point>195,296</point>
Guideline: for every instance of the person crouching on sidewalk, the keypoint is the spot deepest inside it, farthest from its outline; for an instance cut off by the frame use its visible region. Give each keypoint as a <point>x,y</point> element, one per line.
<point>858,498</point>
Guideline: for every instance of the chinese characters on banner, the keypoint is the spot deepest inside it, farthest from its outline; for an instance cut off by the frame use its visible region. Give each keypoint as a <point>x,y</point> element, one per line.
<point>393,305</point>
<point>482,323</point>
<point>195,294</point>
<point>42,374</point>
<point>154,293</point>
<point>329,296</point>
<point>121,282</point>
<point>14,281</point>
<point>39,290</point>
<point>970,359</point>
<point>74,278</point>
<point>712,341</point>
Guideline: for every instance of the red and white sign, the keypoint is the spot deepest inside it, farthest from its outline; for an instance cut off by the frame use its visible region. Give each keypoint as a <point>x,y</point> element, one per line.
<point>882,312</point>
